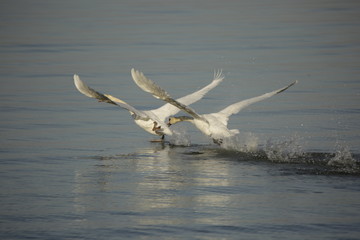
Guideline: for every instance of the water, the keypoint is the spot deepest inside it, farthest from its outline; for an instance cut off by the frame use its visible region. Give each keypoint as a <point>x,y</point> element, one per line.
<point>72,168</point>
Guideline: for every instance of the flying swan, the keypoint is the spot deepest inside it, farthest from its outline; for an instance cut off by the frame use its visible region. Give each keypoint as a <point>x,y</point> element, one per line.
<point>152,121</point>
<point>213,125</point>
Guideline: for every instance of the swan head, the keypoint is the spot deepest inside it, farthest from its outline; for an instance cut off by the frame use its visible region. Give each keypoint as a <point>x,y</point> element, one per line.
<point>173,120</point>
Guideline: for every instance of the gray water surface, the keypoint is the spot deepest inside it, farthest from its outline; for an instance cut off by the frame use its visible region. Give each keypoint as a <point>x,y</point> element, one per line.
<point>73,168</point>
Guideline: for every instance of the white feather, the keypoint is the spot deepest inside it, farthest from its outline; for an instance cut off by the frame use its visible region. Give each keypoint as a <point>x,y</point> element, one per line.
<point>146,119</point>
<point>213,125</point>
<point>149,86</point>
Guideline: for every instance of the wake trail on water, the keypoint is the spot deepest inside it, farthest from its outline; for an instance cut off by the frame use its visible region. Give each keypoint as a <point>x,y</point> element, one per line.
<point>247,146</point>
<point>290,150</point>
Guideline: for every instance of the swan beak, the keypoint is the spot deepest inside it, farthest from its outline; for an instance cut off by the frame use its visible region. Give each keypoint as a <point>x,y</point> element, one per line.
<point>169,124</point>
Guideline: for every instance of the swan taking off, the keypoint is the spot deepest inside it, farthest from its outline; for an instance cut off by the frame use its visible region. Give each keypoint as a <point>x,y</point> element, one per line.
<point>152,121</point>
<point>213,125</point>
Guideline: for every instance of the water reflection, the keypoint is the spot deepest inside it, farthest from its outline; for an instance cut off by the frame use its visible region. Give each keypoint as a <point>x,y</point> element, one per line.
<point>156,183</point>
<point>161,185</point>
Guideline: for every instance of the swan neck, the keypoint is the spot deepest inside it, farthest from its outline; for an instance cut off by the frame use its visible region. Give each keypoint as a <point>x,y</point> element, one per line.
<point>185,118</point>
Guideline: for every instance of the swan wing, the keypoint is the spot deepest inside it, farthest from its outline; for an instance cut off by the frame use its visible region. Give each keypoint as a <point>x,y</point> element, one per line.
<point>224,114</point>
<point>89,92</point>
<point>168,110</point>
<point>138,114</point>
<point>149,86</point>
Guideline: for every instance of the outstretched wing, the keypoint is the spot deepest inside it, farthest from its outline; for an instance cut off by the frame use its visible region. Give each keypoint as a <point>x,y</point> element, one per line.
<point>237,107</point>
<point>138,114</point>
<point>168,110</point>
<point>149,86</point>
<point>87,91</point>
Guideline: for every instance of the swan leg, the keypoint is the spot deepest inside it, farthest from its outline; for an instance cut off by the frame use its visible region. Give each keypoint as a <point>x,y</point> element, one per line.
<point>161,140</point>
<point>218,141</point>
<point>159,131</point>
<point>155,128</point>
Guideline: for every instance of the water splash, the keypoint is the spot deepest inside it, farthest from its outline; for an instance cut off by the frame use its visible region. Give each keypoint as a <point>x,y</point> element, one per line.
<point>284,151</point>
<point>243,142</point>
<point>180,137</point>
<point>291,151</point>
<point>343,157</point>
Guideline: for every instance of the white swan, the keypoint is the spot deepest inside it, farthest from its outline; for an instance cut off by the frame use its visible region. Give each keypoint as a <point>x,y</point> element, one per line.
<point>213,125</point>
<point>152,121</point>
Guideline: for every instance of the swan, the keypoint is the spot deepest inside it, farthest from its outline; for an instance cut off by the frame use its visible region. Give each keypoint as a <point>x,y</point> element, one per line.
<point>213,125</point>
<point>152,121</point>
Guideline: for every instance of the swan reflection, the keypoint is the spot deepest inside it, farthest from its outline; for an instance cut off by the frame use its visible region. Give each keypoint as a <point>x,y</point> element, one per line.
<point>157,181</point>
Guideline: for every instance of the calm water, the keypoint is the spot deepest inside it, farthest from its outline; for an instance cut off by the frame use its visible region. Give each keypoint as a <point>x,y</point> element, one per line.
<point>73,168</point>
